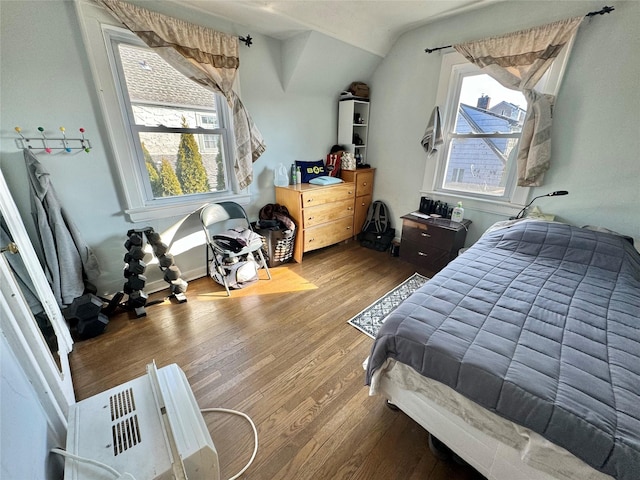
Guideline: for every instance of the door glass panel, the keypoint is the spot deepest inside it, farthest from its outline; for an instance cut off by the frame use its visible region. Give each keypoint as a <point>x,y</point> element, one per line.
<point>29,293</point>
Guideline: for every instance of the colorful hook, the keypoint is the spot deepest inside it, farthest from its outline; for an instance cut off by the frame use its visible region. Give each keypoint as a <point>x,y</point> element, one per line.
<point>44,140</point>
<point>86,149</point>
<point>24,139</point>
<point>64,140</point>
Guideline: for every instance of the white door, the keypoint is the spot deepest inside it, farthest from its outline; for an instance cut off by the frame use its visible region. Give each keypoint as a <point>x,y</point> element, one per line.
<point>49,370</point>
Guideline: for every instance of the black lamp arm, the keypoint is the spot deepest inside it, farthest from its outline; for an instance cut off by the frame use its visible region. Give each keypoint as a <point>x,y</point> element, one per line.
<point>524,209</point>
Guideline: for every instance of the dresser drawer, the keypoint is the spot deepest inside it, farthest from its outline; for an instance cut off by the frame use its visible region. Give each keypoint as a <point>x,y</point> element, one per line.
<point>320,196</point>
<point>360,212</point>
<point>364,183</point>
<point>429,257</point>
<point>327,212</point>
<point>328,233</point>
<point>426,235</point>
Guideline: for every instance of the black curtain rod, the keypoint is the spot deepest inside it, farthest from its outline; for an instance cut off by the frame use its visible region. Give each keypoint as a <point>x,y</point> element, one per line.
<point>590,14</point>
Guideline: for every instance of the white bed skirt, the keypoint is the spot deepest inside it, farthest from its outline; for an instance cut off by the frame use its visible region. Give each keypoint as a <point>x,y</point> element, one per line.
<point>497,448</point>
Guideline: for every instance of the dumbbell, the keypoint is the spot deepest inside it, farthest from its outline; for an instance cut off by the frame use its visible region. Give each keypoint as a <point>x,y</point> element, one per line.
<point>133,283</point>
<point>85,314</point>
<point>153,237</point>
<point>165,260</point>
<point>133,240</point>
<point>178,286</point>
<point>134,267</point>
<point>171,274</point>
<point>93,327</point>
<point>137,299</point>
<point>159,249</point>
<point>83,307</point>
<point>136,252</point>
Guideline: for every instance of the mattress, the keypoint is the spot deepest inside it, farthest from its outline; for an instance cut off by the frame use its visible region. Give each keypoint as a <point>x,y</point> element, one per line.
<point>539,323</point>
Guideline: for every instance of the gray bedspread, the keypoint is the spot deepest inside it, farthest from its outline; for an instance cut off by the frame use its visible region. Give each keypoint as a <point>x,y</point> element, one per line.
<point>540,323</point>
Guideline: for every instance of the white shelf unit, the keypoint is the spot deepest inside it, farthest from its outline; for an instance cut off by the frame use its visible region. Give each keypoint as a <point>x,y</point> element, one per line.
<point>353,118</point>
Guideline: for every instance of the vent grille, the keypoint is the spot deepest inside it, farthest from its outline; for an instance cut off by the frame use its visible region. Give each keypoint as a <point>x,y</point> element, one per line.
<point>126,434</point>
<point>122,404</point>
<point>126,431</point>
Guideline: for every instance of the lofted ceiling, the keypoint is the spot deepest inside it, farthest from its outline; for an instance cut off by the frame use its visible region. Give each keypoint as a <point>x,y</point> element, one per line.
<point>371,25</point>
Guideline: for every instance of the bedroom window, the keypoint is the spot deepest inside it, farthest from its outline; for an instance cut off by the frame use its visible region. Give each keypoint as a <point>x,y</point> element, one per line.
<point>167,116</point>
<point>481,126</point>
<point>481,140</point>
<point>144,102</point>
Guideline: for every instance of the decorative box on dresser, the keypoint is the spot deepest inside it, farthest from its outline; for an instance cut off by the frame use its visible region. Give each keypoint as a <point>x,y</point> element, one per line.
<point>431,243</point>
<point>323,214</point>
<point>363,179</point>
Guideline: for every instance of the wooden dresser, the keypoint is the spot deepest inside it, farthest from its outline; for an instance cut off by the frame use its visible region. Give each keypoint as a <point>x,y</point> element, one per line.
<point>363,178</point>
<point>323,214</point>
<point>431,243</point>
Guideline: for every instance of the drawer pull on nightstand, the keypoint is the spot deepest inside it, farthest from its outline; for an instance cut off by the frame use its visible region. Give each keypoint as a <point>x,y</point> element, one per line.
<point>309,200</point>
<point>311,240</point>
<point>348,228</point>
<point>426,235</point>
<point>364,184</point>
<point>422,254</point>
<point>349,208</point>
<point>310,218</point>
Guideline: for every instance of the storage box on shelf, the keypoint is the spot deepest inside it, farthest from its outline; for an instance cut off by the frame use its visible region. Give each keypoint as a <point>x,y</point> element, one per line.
<point>323,214</point>
<point>431,243</point>
<point>363,179</point>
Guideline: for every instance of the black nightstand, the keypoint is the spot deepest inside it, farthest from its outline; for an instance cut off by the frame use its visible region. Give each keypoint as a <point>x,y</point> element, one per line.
<point>431,243</point>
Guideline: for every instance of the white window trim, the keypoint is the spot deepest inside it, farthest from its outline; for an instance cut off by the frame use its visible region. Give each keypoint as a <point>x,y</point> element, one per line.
<point>94,22</point>
<point>452,65</point>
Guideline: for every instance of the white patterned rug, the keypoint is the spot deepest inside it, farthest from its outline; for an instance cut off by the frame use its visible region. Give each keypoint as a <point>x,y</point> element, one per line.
<point>371,318</point>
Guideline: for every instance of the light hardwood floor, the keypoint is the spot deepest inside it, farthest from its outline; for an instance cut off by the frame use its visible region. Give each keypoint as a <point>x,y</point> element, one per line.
<point>282,352</point>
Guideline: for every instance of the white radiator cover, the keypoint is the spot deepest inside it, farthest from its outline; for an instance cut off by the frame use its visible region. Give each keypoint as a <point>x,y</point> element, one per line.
<point>150,427</point>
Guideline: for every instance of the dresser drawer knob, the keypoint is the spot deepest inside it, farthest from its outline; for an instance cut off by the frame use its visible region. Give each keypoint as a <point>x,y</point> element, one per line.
<point>310,218</point>
<point>364,184</point>
<point>422,254</point>
<point>426,235</point>
<point>311,240</point>
<point>309,200</point>
<point>349,208</point>
<point>348,228</point>
<point>350,192</point>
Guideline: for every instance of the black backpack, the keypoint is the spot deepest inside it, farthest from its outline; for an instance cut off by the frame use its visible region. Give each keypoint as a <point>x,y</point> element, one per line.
<point>377,233</point>
<point>378,220</point>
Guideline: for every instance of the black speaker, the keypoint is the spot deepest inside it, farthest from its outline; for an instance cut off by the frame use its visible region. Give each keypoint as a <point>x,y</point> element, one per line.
<point>92,327</point>
<point>426,205</point>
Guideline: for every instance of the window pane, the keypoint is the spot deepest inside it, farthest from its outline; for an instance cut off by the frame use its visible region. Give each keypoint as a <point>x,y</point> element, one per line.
<point>488,107</point>
<point>173,117</point>
<point>160,95</point>
<point>479,165</point>
<point>483,165</point>
<point>178,165</point>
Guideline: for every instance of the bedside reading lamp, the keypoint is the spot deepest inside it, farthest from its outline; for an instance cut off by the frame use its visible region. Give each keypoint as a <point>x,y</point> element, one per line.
<point>552,194</point>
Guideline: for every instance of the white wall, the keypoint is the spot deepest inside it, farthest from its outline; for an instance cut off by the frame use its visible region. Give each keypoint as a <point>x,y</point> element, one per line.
<point>46,81</point>
<point>26,436</point>
<point>596,134</point>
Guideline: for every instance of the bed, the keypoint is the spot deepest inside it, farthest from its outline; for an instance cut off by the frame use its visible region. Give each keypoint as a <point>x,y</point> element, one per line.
<point>523,354</point>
